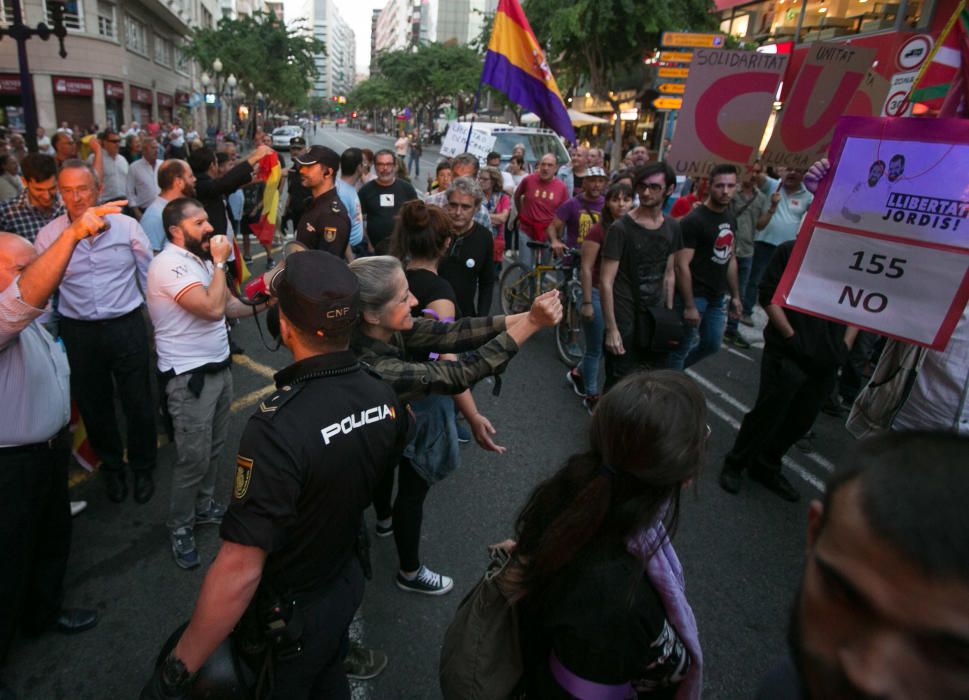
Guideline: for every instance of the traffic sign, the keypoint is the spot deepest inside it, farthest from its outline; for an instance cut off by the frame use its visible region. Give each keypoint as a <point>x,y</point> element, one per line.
<point>668,102</point>
<point>675,56</point>
<point>673,72</point>
<point>693,41</point>
<point>672,88</point>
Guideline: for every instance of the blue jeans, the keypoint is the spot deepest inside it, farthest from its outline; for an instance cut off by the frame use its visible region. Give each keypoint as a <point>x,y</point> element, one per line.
<point>703,340</point>
<point>594,332</point>
<point>743,274</point>
<point>748,292</point>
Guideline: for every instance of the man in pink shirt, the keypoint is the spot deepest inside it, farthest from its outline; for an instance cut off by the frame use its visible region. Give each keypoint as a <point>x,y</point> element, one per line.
<point>536,199</point>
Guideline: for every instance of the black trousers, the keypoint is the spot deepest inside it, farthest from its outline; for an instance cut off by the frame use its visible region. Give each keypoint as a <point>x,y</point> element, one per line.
<point>317,672</point>
<point>102,355</point>
<point>788,401</point>
<point>35,537</point>
<point>407,510</point>
<point>635,359</point>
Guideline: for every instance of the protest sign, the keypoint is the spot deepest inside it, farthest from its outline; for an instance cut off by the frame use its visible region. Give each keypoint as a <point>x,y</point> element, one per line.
<point>457,136</point>
<point>729,97</point>
<point>885,244</point>
<point>823,89</point>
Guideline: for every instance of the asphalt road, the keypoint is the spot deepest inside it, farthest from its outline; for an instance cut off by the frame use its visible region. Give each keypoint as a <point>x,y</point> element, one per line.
<point>742,554</point>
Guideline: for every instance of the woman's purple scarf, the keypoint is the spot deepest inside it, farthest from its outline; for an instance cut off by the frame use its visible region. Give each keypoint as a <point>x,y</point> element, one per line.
<point>663,568</point>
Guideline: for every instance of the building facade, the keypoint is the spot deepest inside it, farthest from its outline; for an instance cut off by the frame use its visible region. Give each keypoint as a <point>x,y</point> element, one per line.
<point>124,63</point>
<point>403,23</point>
<point>336,69</point>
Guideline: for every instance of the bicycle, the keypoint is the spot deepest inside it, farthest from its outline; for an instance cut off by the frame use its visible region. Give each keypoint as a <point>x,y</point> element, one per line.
<point>519,285</point>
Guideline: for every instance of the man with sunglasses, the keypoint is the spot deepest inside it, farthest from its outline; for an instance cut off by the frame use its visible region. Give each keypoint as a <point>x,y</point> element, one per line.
<point>114,184</point>
<point>637,272</point>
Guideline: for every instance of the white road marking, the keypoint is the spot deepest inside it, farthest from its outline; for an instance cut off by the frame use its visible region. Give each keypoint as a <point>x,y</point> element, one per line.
<point>739,354</point>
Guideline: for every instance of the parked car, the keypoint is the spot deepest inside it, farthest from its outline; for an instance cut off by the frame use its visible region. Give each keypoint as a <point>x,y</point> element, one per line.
<point>282,134</point>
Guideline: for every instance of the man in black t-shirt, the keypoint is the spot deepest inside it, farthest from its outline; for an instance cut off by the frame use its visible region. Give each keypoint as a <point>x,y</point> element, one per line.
<point>326,224</point>
<point>298,195</point>
<point>381,199</point>
<point>637,272</point>
<point>706,269</point>
<point>468,264</point>
<point>307,463</point>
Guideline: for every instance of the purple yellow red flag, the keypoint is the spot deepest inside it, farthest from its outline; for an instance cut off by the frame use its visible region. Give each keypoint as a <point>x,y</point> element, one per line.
<point>516,65</point>
<point>270,172</point>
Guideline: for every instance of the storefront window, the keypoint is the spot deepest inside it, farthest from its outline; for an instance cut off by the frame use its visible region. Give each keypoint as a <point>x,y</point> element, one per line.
<point>776,20</point>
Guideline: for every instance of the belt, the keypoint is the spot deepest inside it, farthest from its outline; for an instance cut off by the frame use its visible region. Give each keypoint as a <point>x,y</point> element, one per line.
<point>50,443</point>
<point>91,322</point>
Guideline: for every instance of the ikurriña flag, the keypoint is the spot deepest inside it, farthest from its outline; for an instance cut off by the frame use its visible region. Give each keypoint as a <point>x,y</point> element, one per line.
<point>516,65</point>
<point>947,65</point>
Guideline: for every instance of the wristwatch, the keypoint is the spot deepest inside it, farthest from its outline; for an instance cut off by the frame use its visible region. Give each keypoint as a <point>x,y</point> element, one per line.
<point>221,266</point>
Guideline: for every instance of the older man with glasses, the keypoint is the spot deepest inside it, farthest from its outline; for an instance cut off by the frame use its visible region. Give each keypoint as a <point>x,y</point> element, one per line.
<point>115,180</point>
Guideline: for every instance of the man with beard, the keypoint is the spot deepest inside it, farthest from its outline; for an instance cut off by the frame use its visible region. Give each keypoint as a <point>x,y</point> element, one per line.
<point>870,194</point>
<point>326,224</point>
<point>706,269</point>
<point>638,272</point>
<point>103,329</point>
<point>883,606</point>
<point>188,301</point>
<point>176,180</point>
<point>381,199</point>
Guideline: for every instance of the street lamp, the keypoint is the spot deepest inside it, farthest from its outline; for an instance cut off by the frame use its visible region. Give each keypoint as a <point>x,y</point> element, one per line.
<point>217,67</point>
<point>231,83</point>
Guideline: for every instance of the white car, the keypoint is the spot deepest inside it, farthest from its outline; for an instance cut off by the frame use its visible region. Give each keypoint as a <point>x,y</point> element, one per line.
<point>282,134</point>
<point>488,136</point>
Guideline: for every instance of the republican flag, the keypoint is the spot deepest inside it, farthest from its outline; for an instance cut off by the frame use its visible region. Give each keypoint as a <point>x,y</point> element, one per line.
<point>947,65</point>
<point>269,171</point>
<point>516,65</point>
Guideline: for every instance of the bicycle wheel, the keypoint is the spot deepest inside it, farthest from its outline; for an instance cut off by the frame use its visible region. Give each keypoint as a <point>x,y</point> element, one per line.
<point>516,288</point>
<point>569,338</point>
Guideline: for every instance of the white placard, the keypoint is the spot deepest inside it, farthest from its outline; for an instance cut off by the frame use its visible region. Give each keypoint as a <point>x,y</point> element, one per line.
<point>456,138</point>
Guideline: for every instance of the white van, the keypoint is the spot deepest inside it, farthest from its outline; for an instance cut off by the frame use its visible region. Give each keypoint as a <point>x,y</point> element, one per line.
<point>487,137</point>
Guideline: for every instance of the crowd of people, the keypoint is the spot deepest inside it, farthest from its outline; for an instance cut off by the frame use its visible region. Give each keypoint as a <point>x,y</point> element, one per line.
<point>129,258</point>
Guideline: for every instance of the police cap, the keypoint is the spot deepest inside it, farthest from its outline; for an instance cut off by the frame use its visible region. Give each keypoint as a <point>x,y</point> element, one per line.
<point>317,291</point>
<point>319,154</point>
<point>297,141</point>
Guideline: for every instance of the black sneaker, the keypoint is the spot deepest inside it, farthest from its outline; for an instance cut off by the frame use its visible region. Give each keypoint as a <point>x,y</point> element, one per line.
<point>385,530</point>
<point>210,516</point>
<point>183,548</point>
<point>777,483</point>
<point>426,582</point>
<point>362,664</point>
<point>578,383</point>
<point>730,479</point>
<point>247,259</point>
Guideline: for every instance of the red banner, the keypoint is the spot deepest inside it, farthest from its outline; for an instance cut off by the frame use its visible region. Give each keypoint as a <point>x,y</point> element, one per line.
<point>164,100</point>
<point>9,84</point>
<point>113,90</point>
<point>140,95</point>
<point>182,97</point>
<point>75,87</point>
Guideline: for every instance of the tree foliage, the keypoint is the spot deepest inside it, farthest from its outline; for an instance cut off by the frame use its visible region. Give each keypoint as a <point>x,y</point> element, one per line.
<point>592,41</point>
<point>263,54</point>
<point>422,78</point>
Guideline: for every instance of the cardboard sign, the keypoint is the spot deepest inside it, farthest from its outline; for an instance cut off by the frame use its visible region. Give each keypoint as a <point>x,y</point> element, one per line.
<point>885,244</point>
<point>457,136</point>
<point>729,97</point>
<point>822,91</point>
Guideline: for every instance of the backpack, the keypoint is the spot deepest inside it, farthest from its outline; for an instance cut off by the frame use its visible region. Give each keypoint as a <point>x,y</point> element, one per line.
<point>481,655</point>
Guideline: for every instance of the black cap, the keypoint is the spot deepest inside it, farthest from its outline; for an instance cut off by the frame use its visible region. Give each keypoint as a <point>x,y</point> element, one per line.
<point>317,291</point>
<point>319,154</point>
<point>297,141</point>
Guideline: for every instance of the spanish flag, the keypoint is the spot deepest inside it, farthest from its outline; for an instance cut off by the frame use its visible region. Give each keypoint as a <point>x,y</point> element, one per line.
<point>80,445</point>
<point>516,65</point>
<point>268,171</point>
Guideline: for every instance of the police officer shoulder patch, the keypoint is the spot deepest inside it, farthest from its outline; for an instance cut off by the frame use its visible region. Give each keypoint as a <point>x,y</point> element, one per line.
<point>243,477</point>
<point>278,398</point>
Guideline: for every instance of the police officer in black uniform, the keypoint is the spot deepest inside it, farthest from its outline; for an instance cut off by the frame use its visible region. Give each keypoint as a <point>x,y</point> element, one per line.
<point>326,224</point>
<point>307,463</point>
<point>299,196</point>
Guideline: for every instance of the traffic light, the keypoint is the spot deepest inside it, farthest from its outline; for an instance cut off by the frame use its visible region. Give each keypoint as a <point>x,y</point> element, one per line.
<point>353,115</point>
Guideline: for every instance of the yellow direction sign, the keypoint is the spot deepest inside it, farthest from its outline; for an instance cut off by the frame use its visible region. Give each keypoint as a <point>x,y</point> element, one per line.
<point>672,88</point>
<point>668,102</point>
<point>675,56</point>
<point>673,72</point>
<point>693,41</point>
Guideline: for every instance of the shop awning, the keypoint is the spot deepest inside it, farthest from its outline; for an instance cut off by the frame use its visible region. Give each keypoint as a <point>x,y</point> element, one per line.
<point>575,116</point>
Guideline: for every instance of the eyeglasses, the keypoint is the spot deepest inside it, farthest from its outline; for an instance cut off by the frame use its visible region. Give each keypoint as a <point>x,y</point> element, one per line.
<point>651,186</point>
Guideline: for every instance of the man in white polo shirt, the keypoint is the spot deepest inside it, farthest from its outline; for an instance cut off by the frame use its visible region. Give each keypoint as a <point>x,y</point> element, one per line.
<point>188,301</point>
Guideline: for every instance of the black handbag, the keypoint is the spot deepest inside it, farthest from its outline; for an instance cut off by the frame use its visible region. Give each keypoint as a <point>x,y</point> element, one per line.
<point>658,329</point>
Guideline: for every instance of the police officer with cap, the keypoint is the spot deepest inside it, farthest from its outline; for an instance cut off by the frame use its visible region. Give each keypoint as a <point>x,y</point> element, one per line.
<point>299,196</point>
<point>326,224</point>
<point>306,466</point>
